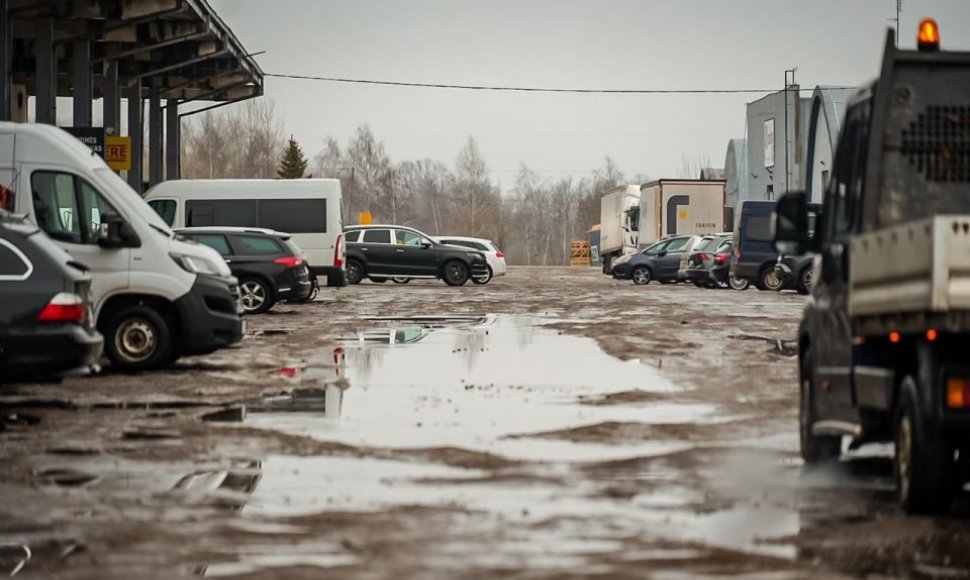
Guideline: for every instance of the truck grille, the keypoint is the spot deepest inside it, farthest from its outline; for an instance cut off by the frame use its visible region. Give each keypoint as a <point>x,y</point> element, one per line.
<point>937,143</point>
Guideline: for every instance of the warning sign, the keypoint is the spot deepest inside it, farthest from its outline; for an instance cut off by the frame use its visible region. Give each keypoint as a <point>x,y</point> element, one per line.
<point>117,153</point>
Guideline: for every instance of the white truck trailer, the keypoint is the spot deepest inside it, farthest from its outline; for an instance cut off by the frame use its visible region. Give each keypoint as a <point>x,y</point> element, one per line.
<point>619,222</point>
<point>680,206</point>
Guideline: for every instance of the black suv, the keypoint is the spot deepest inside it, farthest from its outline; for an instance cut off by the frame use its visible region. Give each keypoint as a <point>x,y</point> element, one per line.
<point>270,266</point>
<point>45,322</point>
<point>382,252</point>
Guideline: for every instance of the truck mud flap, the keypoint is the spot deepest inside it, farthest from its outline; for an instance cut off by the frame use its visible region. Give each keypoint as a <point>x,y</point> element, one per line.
<point>873,387</point>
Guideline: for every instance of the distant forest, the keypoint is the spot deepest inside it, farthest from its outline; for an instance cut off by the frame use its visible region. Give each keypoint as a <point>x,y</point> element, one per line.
<point>533,224</point>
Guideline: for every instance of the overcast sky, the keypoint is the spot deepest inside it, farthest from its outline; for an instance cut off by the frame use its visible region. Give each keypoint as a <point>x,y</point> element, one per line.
<point>589,44</point>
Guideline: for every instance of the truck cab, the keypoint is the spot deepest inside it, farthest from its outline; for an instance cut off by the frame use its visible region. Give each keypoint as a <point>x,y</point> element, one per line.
<point>883,342</point>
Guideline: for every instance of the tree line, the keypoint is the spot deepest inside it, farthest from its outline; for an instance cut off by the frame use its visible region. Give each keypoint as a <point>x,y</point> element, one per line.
<point>534,223</point>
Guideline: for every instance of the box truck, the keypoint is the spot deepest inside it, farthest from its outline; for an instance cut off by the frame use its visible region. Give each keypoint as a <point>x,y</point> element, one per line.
<point>680,206</point>
<point>619,222</point>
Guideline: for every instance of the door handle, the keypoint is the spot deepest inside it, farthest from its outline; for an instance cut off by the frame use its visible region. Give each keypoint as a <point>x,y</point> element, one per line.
<point>228,261</point>
<point>363,249</point>
<point>399,251</point>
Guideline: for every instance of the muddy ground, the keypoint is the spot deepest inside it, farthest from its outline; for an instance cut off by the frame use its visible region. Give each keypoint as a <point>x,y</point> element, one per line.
<point>552,424</point>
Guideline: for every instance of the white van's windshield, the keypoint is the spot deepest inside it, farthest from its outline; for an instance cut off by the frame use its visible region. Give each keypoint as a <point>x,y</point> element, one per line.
<point>109,179</point>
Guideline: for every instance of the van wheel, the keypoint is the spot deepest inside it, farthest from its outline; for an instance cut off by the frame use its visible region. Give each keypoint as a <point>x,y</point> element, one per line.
<point>738,283</point>
<point>355,272</point>
<point>455,273</point>
<point>770,280</point>
<point>138,338</point>
<point>923,461</point>
<point>257,296</point>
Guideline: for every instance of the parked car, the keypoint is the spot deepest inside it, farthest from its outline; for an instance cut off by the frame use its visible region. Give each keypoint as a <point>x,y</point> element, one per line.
<point>711,251</point>
<point>721,267</point>
<point>797,272</point>
<point>45,310</point>
<point>657,262</point>
<point>382,252</point>
<point>494,256</point>
<point>270,266</point>
<point>695,241</point>
<point>754,255</point>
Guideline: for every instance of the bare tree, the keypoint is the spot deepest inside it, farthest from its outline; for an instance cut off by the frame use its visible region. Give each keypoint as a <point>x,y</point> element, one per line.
<point>476,200</point>
<point>242,142</point>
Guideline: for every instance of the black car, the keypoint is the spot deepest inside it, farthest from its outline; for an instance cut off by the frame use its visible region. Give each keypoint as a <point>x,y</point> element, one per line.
<point>660,262</point>
<point>381,252</point>
<point>714,250</point>
<point>270,266</point>
<point>45,314</point>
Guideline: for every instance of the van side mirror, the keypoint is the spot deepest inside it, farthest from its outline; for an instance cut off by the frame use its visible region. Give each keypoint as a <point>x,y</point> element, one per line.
<point>790,224</point>
<point>115,232</point>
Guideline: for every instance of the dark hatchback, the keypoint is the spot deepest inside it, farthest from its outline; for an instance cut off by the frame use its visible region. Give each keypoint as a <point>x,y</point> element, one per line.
<point>714,250</point>
<point>387,251</point>
<point>45,322</point>
<point>660,262</point>
<point>270,266</point>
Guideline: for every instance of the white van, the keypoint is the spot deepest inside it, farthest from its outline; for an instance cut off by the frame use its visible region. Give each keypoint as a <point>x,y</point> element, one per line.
<point>308,209</point>
<point>155,297</point>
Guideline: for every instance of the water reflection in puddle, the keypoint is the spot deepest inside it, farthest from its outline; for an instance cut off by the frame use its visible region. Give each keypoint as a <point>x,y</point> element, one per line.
<point>473,383</point>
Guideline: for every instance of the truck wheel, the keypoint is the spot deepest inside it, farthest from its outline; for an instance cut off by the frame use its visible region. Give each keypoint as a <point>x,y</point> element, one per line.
<point>138,338</point>
<point>355,272</point>
<point>770,280</point>
<point>923,462</point>
<point>815,449</point>
<point>641,275</point>
<point>455,273</point>
<point>806,280</point>
<point>738,283</point>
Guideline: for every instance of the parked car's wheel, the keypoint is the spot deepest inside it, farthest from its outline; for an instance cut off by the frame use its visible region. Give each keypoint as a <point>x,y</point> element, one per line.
<point>806,279</point>
<point>455,273</point>
<point>770,280</point>
<point>738,283</point>
<point>378,279</point>
<point>815,448</point>
<point>923,462</point>
<point>641,275</point>
<point>354,271</point>
<point>138,338</point>
<point>401,279</point>
<point>257,296</point>
<point>484,279</point>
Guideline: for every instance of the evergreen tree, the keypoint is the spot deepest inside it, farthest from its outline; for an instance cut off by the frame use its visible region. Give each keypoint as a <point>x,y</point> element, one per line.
<point>293,163</point>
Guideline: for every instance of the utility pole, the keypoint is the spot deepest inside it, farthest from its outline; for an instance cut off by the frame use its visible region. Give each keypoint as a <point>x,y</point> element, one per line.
<point>899,9</point>
<point>787,86</point>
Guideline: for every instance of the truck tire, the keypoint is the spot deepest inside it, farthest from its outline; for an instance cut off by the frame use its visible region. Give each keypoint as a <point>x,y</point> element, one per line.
<point>816,449</point>
<point>923,462</point>
<point>455,273</point>
<point>607,264</point>
<point>138,338</point>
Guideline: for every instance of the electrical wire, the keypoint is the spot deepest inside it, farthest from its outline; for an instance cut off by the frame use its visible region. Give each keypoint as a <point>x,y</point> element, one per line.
<point>530,89</point>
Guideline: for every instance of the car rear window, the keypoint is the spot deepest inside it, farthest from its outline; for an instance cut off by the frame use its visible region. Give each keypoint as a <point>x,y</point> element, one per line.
<point>12,265</point>
<point>256,245</point>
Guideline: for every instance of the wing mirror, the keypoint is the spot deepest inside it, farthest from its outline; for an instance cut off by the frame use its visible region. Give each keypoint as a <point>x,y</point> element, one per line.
<point>790,224</point>
<point>115,232</point>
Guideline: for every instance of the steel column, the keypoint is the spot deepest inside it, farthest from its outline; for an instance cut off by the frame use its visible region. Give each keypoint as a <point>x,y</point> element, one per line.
<point>83,93</point>
<point>173,140</point>
<point>155,139</point>
<point>112,99</point>
<point>45,76</point>
<point>6,54</point>
<point>135,132</point>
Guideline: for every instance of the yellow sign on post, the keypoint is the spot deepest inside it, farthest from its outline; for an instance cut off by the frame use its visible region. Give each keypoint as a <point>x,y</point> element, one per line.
<point>364,218</point>
<point>117,153</point>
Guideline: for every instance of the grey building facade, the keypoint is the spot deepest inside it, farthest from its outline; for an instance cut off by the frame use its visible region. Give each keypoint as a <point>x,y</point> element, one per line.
<point>776,145</point>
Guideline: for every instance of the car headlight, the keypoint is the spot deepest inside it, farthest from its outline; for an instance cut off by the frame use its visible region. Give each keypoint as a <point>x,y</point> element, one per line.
<point>198,265</point>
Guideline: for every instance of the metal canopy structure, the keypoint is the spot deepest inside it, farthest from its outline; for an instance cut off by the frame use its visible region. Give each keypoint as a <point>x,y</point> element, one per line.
<point>162,51</point>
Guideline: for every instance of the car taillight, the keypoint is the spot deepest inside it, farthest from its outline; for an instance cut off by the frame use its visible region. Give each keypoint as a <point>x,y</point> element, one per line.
<point>499,255</point>
<point>289,261</point>
<point>701,256</point>
<point>338,260</point>
<point>720,259</point>
<point>65,307</point>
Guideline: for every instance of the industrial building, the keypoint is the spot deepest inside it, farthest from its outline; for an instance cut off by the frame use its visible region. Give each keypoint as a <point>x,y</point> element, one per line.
<point>163,53</point>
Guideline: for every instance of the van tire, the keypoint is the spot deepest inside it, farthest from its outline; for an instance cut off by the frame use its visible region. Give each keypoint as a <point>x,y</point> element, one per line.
<point>355,271</point>
<point>138,338</point>
<point>769,280</point>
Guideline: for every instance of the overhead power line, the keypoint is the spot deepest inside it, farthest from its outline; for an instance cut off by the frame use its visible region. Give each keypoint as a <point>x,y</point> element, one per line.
<point>531,89</point>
